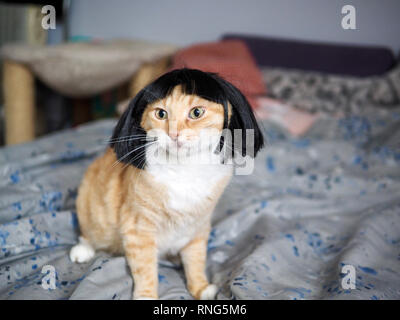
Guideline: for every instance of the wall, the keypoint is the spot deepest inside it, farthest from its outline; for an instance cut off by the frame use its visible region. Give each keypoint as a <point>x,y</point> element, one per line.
<point>186,21</point>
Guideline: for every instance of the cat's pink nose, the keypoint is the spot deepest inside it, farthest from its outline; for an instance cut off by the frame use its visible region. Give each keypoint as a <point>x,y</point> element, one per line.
<point>174,135</point>
<point>175,138</point>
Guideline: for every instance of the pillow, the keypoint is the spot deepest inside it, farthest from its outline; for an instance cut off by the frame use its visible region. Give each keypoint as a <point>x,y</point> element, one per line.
<point>331,58</point>
<point>295,121</point>
<point>230,59</point>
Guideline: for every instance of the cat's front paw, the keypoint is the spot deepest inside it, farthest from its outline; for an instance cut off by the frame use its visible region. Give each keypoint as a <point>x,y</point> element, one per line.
<point>145,295</point>
<point>82,252</point>
<point>144,298</point>
<point>209,292</point>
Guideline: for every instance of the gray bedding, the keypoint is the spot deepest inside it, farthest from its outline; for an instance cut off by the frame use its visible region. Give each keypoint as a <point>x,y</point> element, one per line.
<point>312,206</point>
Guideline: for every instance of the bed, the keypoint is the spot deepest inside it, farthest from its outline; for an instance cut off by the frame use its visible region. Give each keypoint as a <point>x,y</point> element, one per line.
<point>314,204</point>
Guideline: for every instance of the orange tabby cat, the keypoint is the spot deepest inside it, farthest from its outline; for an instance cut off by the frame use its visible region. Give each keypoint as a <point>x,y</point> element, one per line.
<point>149,195</point>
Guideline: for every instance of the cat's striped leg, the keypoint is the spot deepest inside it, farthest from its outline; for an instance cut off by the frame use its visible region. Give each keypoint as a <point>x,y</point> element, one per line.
<point>141,254</point>
<point>194,257</point>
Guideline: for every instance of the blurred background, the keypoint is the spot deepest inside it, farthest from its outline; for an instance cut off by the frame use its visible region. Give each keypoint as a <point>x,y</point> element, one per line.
<point>302,35</point>
<point>187,22</point>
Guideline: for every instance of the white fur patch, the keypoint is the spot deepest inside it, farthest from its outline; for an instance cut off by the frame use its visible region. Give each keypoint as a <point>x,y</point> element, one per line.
<point>82,252</point>
<point>175,237</point>
<point>209,292</point>
<point>188,184</point>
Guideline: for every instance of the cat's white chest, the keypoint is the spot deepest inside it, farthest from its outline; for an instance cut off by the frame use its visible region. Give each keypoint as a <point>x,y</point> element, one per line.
<point>172,238</point>
<point>188,185</point>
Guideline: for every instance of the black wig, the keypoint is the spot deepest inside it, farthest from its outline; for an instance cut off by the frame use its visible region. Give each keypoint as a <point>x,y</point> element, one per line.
<point>206,85</point>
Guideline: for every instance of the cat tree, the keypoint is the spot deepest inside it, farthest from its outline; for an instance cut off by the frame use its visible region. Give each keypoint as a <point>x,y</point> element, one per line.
<point>76,70</point>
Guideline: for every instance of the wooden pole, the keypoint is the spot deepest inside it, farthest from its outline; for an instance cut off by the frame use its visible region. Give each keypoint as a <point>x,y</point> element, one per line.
<point>19,100</point>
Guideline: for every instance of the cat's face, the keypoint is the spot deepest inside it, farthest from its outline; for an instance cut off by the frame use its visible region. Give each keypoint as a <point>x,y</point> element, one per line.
<point>182,122</point>
<point>189,112</point>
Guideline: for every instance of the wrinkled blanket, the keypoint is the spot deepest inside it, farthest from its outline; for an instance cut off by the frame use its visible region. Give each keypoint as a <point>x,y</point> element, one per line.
<point>312,206</point>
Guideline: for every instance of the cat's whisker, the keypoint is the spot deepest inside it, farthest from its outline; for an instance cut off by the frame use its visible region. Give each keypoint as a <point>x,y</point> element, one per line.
<point>126,137</point>
<point>132,135</point>
<point>133,139</point>
<point>130,152</point>
<point>125,140</point>
<point>140,154</point>
<point>127,154</point>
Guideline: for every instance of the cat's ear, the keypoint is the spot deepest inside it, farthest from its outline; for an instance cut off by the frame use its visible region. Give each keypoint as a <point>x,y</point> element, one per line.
<point>242,117</point>
<point>129,138</point>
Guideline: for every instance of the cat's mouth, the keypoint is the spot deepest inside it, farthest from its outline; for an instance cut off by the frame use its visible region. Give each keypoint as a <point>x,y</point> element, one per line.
<point>179,145</point>
<point>176,143</point>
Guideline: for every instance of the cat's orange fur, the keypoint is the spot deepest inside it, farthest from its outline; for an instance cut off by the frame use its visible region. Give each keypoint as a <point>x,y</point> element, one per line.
<point>125,210</point>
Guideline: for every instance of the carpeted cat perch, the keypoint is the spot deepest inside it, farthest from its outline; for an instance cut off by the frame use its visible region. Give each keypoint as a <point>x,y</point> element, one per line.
<point>76,70</point>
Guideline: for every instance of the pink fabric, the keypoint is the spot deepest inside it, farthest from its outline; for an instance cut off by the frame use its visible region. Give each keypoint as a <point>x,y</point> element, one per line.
<point>295,121</point>
<point>231,59</point>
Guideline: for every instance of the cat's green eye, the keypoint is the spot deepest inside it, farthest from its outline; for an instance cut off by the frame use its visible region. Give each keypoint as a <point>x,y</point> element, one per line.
<point>161,114</point>
<point>196,113</point>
